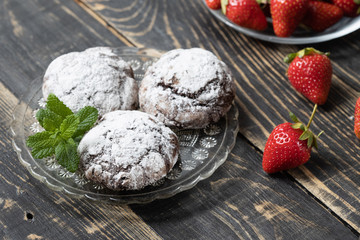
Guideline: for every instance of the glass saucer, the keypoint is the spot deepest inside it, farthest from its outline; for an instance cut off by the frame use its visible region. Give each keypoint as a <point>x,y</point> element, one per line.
<point>202,151</point>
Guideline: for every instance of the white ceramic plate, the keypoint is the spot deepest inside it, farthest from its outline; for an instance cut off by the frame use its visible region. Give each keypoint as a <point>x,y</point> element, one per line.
<point>300,36</point>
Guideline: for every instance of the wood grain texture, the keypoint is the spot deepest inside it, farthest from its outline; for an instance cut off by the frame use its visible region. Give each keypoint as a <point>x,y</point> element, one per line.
<point>33,33</point>
<point>240,202</point>
<point>264,94</point>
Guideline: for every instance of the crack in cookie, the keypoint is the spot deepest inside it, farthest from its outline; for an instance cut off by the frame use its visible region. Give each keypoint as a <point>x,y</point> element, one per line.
<point>95,77</point>
<point>128,150</point>
<point>187,88</point>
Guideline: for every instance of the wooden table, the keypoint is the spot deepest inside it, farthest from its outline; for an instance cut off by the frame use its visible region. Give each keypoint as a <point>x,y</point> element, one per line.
<point>319,200</point>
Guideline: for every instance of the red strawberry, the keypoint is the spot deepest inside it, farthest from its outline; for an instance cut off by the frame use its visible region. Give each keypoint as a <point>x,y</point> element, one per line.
<point>351,8</point>
<point>245,13</point>
<point>310,73</point>
<point>357,118</point>
<point>289,145</point>
<point>286,15</point>
<point>321,15</point>
<point>213,4</point>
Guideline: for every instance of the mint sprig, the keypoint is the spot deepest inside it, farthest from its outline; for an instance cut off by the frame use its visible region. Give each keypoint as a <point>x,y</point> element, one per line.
<point>63,132</point>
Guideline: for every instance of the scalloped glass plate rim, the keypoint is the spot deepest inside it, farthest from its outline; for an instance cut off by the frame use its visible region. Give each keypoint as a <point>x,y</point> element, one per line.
<point>354,24</point>
<point>31,164</point>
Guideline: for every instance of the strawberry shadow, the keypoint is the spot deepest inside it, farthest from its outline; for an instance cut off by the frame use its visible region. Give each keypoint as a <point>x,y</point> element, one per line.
<point>316,166</point>
<point>337,96</point>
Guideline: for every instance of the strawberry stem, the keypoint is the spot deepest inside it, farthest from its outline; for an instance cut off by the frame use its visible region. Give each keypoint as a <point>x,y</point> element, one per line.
<point>312,116</point>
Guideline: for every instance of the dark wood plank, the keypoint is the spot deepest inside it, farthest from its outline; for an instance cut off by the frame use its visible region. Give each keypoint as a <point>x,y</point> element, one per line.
<point>264,94</point>
<point>33,33</point>
<point>240,202</point>
<point>28,209</point>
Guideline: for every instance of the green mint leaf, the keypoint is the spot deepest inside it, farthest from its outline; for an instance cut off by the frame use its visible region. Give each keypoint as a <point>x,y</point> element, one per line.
<point>42,144</point>
<point>49,124</point>
<point>57,106</point>
<point>40,153</point>
<point>43,114</point>
<point>77,139</point>
<point>87,116</point>
<point>46,143</point>
<point>66,155</point>
<point>69,126</point>
<point>60,124</point>
<point>34,140</point>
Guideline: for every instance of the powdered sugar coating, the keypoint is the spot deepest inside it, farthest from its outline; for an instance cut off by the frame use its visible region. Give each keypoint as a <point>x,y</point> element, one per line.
<point>187,88</point>
<point>95,77</point>
<point>128,150</point>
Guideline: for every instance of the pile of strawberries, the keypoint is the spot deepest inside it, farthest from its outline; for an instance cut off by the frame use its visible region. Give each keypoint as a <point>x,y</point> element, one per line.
<point>286,15</point>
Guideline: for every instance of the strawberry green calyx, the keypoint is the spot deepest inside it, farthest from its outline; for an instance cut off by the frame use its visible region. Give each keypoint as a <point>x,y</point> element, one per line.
<point>307,134</point>
<point>358,3</point>
<point>268,1</point>
<point>263,3</point>
<point>224,3</point>
<point>302,53</point>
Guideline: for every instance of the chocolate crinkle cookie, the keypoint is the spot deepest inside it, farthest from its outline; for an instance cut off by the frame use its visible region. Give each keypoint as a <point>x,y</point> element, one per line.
<point>187,88</point>
<point>95,77</point>
<point>128,150</point>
